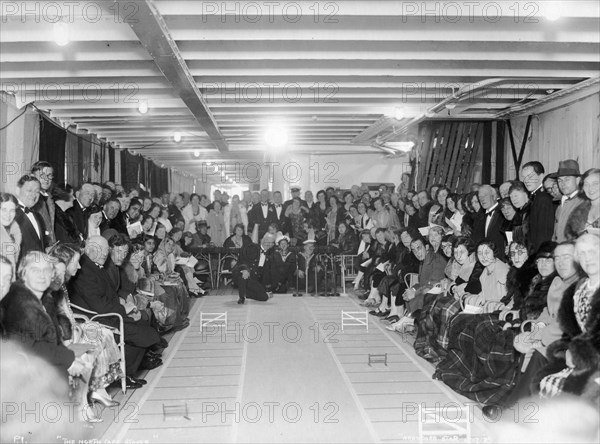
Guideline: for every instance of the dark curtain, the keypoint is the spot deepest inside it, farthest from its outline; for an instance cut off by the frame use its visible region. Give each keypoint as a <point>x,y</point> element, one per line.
<point>130,166</point>
<point>111,163</point>
<point>159,179</point>
<point>52,147</point>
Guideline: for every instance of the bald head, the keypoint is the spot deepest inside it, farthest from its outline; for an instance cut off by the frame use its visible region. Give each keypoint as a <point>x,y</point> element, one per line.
<point>96,248</point>
<point>268,241</point>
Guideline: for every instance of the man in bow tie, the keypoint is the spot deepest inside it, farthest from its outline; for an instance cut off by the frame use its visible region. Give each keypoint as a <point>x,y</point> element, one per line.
<point>280,217</point>
<point>491,226</point>
<point>84,198</point>
<point>31,223</point>
<point>262,215</point>
<point>44,172</point>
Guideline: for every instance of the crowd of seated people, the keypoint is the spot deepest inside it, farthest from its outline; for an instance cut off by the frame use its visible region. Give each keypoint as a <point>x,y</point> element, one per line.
<point>498,285</point>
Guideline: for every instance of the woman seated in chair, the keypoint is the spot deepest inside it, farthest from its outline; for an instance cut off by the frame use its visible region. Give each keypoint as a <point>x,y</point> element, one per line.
<point>346,242</point>
<point>392,286</point>
<point>462,274</point>
<point>165,260</point>
<point>395,255</point>
<point>168,295</point>
<point>107,364</point>
<point>238,239</point>
<point>27,322</point>
<point>379,254</point>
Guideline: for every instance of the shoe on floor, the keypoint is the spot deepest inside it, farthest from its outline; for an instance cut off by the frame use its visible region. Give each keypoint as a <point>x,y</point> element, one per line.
<point>404,324</point>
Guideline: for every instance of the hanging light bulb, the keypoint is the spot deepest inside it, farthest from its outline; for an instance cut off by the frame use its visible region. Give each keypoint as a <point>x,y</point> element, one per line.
<point>197,153</point>
<point>276,137</point>
<point>177,136</point>
<point>61,34</point>
<point>398,113</point>
<point>143,107</point>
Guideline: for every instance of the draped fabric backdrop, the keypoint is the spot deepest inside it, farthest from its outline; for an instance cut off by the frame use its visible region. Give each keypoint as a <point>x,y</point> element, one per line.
<point>72,160</point>
<point>52,147</point>
<point>19,142</point>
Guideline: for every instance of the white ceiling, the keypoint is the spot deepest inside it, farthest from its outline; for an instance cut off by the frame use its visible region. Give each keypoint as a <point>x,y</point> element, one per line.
<point>222,72</point>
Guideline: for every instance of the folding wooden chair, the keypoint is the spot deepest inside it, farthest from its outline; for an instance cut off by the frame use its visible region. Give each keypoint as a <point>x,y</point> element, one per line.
<point>120,331</point>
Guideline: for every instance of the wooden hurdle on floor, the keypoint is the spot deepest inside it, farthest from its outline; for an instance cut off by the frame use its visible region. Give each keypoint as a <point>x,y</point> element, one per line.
<point>213,318</point>
<point>355,318</point>
<point>444,423</point>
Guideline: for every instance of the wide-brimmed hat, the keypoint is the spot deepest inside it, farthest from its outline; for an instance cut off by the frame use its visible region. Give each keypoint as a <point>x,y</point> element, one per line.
<point>309,241</point>
<point>365,231</point>
<point>294,189</point>
<point>568,167</point>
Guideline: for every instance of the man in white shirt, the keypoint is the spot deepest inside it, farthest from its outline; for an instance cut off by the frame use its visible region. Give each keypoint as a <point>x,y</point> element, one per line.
<point>44,172</point>
<point>31,223</point>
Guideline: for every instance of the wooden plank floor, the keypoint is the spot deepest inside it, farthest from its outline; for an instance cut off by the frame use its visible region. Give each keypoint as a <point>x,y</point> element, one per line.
<point>283,371</point>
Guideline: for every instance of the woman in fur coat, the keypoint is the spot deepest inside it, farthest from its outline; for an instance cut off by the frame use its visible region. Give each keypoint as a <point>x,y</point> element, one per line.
<point>579,318</point>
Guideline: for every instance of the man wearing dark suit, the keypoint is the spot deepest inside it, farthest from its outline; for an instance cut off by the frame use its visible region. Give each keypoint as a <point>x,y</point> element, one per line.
<point>283,222</point>
<point>541,213</point>
<point>491,226</point>
<point>111,210</point>
<point>85,196</point>
<point>262,215</point>
<point>33,230</point>
<point>296,193</point>
<point>92,289</point>
<point>44,172</point>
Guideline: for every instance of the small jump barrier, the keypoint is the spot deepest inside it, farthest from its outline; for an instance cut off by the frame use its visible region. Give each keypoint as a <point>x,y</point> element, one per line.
<point>355,318</point>
<point>213,318</point>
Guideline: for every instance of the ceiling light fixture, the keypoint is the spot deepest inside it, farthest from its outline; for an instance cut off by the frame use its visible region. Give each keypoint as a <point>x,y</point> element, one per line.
<point>177,136</point>
<point>61,34</point>
<point>197,153</point>
<point>143,107</point>
<point>276,137</point>
<point>553,10</point>
<point>398,113</point>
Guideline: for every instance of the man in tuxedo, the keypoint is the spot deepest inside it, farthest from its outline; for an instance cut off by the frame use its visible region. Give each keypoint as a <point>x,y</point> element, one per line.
<point>248,272</point>
<point>31,223</point>
<point>541,213</point>
<point>44,172</point>
<point>84,198</point>
<point>491,227</point>
<point>91,288</point>
<point>110,211</point>
<point>262,215</point>
<point>283,222</point>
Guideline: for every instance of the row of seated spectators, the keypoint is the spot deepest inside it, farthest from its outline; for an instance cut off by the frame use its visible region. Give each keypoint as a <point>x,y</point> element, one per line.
<point>505,303</point>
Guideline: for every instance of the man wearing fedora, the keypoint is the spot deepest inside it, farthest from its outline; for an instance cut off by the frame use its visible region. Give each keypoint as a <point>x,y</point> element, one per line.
<point>568,184</point>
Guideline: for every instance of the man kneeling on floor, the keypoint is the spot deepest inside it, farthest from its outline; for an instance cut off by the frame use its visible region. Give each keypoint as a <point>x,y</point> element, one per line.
<point>248,272</point>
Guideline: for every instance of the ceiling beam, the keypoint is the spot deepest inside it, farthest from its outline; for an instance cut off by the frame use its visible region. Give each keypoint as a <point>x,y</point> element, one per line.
<point>152,32</point>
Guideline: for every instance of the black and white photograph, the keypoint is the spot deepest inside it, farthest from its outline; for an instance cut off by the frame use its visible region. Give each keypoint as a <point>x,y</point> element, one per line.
<point>347,221</point>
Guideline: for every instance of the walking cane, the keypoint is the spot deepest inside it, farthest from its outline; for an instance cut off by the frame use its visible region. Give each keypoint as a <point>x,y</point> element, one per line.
<point>297,291</point>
